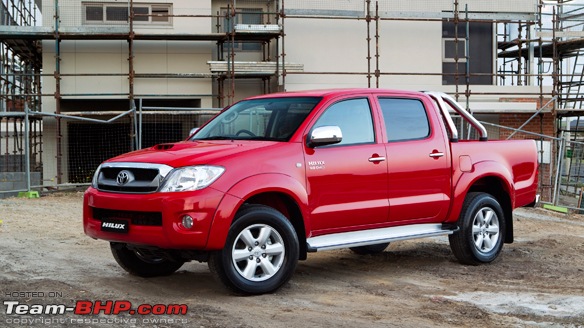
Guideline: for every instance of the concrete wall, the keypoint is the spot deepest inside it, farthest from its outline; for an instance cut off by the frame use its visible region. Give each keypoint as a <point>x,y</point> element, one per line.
<point>71,14</point>
<point>341,46</point>
<point>414,6</point>
<point>50,151</point>
<point>16,181</point>
<point>103,56</point>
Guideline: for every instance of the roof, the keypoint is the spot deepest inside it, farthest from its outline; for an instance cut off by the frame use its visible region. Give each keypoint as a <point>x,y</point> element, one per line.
<point>337,92</point>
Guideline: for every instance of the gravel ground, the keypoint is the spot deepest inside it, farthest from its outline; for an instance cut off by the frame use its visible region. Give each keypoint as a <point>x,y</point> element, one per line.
<point>538,281</point>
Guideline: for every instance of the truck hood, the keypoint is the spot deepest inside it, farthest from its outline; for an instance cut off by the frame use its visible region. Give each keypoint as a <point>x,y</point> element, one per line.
<point>191,152</point>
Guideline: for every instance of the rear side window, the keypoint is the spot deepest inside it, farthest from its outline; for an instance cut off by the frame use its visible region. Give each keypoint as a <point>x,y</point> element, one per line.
<point>405,119</point>
<point>353,117</point>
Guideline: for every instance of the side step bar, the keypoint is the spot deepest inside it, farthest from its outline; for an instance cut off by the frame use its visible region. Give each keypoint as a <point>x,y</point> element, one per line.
<point>377,236</point>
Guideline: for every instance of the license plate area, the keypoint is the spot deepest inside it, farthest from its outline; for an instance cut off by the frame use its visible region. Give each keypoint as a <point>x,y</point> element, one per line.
<point>115,225</point>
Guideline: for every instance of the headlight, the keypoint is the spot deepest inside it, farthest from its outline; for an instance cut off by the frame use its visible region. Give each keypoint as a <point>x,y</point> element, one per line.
<point>191,178</point>
<point>95,176</point>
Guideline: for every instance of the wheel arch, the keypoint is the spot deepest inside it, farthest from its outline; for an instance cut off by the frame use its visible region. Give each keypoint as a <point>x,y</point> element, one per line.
<point>286,205</point>
<point>281,192</point>
<point>496,188</point>
<point>492,178</point>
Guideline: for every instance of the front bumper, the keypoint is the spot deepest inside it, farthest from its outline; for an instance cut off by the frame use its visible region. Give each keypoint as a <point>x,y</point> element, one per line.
<point>153,219</point>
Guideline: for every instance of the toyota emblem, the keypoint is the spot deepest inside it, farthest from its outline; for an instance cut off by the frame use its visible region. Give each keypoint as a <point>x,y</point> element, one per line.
<point>124,177</point>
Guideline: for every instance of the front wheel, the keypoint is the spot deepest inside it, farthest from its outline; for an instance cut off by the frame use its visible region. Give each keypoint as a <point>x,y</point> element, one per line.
<point>260,253</point>
<point>142,263</point>
<point>482,230</point>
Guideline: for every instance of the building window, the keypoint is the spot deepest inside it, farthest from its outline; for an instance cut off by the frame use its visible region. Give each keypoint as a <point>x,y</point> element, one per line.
<point>243,16</point>
<point>114,13</point>
<point>160,14</point>
<point>475,53</point>
<point>141,14</point>
<point>453,51</point>
<point>94,13</point>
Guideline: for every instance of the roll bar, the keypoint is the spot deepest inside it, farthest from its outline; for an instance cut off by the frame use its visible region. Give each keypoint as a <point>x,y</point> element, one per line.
<point>444,101</point>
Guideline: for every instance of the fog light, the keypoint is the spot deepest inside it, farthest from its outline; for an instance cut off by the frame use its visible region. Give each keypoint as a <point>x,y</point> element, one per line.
<point>187,221</point>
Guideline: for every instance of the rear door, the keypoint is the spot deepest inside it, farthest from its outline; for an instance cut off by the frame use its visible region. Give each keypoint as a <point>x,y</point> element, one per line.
<point>418,161</point>
<point>347,181</point>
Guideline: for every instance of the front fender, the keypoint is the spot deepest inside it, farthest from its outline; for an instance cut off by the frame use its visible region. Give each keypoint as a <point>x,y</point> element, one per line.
<point>243,190</point>
<point>480,170</point>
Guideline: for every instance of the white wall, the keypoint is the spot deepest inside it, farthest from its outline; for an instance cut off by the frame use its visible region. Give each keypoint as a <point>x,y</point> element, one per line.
<point>341,46</point>
<point>173,57</point>
<point>71,15</point>
<point>409,6</point>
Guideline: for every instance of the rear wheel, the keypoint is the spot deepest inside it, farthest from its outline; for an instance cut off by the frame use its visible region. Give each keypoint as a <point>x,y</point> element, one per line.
<point>260,253</point>
<point>482,230</point>
<point>369,249</point>
<point>142,263</point>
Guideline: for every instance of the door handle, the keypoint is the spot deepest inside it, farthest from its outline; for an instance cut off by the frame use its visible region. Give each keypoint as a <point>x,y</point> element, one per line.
<point>376,159</point>
<point>436,154</point>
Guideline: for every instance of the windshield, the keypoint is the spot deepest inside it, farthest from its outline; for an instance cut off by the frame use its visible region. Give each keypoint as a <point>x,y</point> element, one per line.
<point>273,119</point>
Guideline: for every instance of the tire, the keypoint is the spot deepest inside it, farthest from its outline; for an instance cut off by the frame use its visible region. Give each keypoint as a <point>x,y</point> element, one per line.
<point>482,230</point>
<point>141,264</point>
<point>369,249</point>
<point>260,253</point>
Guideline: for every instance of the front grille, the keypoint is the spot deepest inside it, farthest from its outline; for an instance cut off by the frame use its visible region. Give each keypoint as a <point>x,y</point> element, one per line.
<point>131,177</point>
<point>105,187</point>
<point>139,173</point>
<point>136,218</point>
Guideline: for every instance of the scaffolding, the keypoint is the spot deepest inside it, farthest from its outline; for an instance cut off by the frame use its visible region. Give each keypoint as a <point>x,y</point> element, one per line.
<point>539,47</point>
<point>515,46</point>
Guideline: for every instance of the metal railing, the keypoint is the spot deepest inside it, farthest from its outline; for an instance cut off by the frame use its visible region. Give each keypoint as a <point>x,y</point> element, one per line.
<point>561,160</point>
<point>90,138</point>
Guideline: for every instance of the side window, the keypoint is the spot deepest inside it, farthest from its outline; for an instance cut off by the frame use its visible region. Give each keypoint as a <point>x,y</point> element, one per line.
<point>353,117</point>
<point>405,119</point>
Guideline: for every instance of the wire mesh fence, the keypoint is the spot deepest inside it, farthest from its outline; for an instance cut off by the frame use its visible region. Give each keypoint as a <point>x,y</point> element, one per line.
<point>84,142</point>
<point>548,148</point>
<point>87,141</point>
<point>570,178</point>
<point>20,152</point>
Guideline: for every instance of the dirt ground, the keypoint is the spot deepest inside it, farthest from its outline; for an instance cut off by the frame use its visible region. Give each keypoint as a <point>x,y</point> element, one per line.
<point>538,281</point>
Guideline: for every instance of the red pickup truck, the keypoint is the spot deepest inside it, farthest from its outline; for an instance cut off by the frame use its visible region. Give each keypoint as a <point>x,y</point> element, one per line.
<point>274,177</point>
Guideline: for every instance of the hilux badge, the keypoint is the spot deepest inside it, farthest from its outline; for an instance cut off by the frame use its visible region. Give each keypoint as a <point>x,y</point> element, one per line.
<point>316,165</point>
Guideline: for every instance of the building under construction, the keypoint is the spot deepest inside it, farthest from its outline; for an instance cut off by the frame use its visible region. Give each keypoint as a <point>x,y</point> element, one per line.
<point>82,81</point>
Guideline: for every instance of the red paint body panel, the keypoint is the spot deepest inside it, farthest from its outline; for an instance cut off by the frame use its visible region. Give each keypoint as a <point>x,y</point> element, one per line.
<point>513,162</point>
<point>201,205</point>
<point>335,189</point>
<point>420,185</point>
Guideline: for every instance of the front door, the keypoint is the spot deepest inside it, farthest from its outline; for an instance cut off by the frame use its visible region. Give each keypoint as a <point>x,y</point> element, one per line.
<point>347,181</point>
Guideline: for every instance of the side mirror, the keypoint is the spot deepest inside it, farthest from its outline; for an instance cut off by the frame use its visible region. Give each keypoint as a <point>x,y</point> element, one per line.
<point>193,130</point>
<point>325,135</point>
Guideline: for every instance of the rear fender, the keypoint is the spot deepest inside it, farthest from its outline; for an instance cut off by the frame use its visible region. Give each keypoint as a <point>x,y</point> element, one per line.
<point>487,169</point>
<point>247,188</point>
